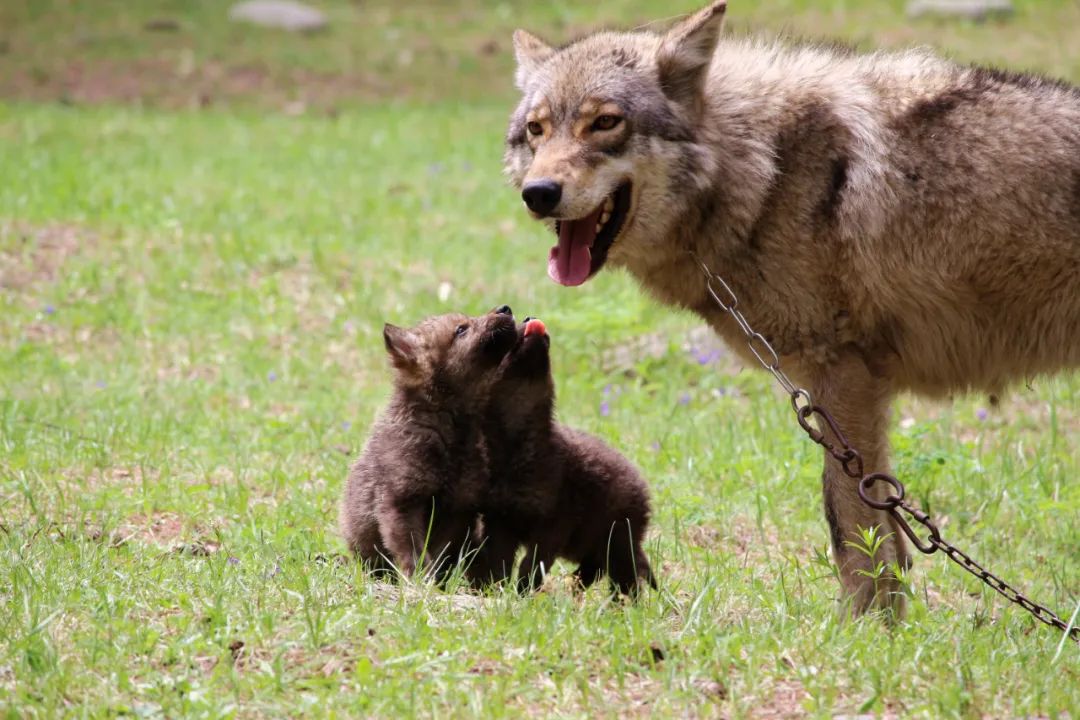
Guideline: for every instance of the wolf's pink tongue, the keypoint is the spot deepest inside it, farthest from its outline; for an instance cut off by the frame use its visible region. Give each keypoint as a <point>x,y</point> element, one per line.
<point>570,261</point>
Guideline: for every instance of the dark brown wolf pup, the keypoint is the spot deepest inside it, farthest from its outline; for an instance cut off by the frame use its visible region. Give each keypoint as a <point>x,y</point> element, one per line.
<point>412,497</point>
<point>556,491</point>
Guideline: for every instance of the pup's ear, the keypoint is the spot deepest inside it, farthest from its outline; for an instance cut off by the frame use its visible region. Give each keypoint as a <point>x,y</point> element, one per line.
<point>531,52</point>
<point>401,346</point>
<point>686,51</point>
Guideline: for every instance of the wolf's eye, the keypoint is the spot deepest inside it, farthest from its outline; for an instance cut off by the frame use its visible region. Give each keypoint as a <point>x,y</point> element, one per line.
<point>606,122</point>
<point>535,128</point>
<point>460,330</point>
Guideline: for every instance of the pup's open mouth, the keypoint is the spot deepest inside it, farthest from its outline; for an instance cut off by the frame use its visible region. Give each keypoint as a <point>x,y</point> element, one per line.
<point>584,243</point>
<point>529,356</point>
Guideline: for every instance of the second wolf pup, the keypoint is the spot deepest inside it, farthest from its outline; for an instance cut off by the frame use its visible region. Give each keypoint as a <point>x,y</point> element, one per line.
<point>413,496</point>
<point>557,491</point>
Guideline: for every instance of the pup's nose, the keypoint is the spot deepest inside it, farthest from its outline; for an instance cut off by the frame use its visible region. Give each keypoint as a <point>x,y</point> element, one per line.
<point>504,310</point>
<point>542,196</point>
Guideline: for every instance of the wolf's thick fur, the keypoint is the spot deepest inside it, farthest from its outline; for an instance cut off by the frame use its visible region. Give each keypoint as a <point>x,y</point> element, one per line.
<point>889,222</point>
<point>413,495</point>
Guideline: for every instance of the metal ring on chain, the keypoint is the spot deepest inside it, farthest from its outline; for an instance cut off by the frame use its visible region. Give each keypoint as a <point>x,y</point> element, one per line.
<point>888,503</point>
<point>800,393</point>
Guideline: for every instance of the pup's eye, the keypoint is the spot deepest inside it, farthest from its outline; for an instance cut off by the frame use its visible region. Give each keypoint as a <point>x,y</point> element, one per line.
<point>606,122</point>
<point>535,128</point>
<point>461,330</point>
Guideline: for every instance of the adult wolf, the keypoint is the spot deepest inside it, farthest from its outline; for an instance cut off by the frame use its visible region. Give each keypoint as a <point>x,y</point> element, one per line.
<point>888,222</point>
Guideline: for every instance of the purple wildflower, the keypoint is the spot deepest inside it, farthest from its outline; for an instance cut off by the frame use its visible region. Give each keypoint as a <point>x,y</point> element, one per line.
<point>271,376</point>
<point>233,560</point>
<point>684,399</point>
<point>345,424</point>
<point>607,389</point>
<point>982,414</point>
<point>605,408</point>
<point>101,384</point>
<point>707,358</point>
<point>655,445</point>
<point>49,309</point>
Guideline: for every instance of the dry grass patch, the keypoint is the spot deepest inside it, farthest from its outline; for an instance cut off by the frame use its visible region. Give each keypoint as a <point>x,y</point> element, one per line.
<point>34,255</point>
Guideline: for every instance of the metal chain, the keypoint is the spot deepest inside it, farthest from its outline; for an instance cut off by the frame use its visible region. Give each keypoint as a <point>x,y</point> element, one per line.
<point>852,463</point>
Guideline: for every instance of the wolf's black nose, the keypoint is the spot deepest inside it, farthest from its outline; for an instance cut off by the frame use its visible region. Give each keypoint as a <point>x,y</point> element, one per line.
<point>542,196</point>
<point>504,310</point>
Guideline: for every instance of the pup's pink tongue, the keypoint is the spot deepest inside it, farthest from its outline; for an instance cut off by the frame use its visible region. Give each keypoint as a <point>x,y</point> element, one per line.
<point>535,327</point>
<point>570,261</point>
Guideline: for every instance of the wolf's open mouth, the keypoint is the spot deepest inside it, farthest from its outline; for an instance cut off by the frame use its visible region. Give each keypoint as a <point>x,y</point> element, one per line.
<point>584,243</point>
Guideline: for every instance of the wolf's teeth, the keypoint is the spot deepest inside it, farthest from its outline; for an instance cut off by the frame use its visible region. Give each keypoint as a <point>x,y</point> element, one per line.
<point>609,205</point>
<point>604,217</point>
<point>598,226</point>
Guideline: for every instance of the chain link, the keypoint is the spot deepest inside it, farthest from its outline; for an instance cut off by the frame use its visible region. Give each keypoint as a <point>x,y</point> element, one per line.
<point>852,463</point>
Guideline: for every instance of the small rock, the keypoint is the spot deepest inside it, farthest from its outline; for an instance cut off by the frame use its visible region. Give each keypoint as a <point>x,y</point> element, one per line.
<point>196,549</point>
<point>296,108</point>
<point>971,9</point>
<point>712,688</point>
<point>284,14</point>
<point>161,25</point>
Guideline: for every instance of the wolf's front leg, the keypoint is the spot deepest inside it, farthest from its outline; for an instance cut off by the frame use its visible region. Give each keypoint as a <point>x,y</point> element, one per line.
<point>859,402</point>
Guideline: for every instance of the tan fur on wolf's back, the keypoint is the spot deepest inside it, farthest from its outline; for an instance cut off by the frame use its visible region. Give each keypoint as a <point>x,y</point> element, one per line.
<point>889,221</point>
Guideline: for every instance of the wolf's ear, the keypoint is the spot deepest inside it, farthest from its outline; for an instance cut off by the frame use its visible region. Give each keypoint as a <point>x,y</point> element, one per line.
<point>400,345</point>
<point>686,51</point>
<point>531,52</point>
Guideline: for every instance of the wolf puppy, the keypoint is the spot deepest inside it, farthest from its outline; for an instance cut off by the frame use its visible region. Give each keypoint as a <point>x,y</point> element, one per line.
<point>557,491</point>
<point>413,495</point>
<point>889,222</point>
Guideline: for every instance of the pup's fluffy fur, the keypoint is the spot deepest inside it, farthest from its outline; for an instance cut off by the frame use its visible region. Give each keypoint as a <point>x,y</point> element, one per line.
<point>558,492</point>
<point>889,222</point>
<point>413,495</point>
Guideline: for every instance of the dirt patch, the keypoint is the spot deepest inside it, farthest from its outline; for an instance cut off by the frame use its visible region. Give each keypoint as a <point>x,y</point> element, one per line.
<point>739,536</point>
<point>166,531</point>
<point>160,528</point>
<point>327,661</point>
<point>179,84</point>
<point>420,593</point>
<point>785,700</point>
<point>97,479</point>
<point>34,255</point>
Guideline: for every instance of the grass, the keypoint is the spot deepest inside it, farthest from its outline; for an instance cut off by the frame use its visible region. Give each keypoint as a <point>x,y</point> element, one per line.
<point>189,358</point>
